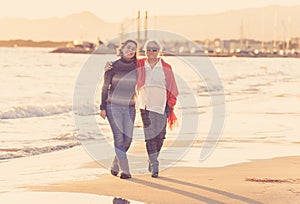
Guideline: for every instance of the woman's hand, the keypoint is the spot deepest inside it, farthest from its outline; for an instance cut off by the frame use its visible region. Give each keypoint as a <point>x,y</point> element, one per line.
<point>103,114</point>
<point>108,66</point>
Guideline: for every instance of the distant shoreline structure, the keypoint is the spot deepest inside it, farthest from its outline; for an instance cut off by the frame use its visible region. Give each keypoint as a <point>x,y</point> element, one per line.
<point>204,48</point>
<point>32,43</point>
<point>215,48</point>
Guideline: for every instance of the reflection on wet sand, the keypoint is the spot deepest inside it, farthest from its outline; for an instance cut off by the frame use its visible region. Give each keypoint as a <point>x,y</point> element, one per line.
<point>60,198</point>
<point>120,201</point>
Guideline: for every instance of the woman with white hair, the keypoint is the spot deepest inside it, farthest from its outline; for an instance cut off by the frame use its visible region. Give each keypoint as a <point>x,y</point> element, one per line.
<point>157,97</point>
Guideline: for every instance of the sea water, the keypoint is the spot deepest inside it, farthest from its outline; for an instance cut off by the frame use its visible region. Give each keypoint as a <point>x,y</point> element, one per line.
<point>261,98</point>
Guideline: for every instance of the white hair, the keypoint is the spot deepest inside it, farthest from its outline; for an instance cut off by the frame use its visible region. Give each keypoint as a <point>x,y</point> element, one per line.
<point>152,41</point>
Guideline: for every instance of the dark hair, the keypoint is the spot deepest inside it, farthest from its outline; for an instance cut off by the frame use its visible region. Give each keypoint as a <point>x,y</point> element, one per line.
<point>121,54</point>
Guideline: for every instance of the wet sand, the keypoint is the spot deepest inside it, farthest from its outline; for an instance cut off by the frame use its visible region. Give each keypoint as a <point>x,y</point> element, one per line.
<point>261,181</point>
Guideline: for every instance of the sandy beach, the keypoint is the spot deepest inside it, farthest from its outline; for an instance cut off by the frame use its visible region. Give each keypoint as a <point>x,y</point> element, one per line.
<point>73,176</point>
<point>262,181</point>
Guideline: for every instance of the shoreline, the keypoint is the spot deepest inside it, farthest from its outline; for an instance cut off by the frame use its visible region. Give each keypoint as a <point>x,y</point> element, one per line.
<point>259,181</point>
<point>59,47</point>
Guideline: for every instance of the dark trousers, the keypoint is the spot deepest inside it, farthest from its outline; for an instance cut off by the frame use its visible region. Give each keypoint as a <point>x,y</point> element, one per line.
<point>155,132</point>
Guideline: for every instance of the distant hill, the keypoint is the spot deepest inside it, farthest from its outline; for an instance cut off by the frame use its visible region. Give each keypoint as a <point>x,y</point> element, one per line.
<point>268,23</point>
<point>83,25</point>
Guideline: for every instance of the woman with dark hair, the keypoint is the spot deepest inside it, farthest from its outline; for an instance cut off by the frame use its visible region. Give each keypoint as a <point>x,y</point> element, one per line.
<point>118,104</point>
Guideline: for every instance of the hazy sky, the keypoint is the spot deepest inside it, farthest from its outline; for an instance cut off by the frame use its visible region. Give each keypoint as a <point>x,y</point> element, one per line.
<point>118,10</point>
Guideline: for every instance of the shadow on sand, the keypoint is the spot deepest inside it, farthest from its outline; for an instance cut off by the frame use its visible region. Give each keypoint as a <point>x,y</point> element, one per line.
<point>190,194</point>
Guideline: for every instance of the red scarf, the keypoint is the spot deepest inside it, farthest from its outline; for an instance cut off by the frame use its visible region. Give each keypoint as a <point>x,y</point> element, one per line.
<point>172,91</point>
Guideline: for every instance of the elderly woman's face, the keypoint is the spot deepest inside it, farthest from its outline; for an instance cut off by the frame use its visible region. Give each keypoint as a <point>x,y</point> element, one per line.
<point>129,50</point>
<point>152,49</point>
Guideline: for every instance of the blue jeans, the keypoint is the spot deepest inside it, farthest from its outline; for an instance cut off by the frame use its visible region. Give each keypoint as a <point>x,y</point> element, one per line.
<point>121,119</point>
